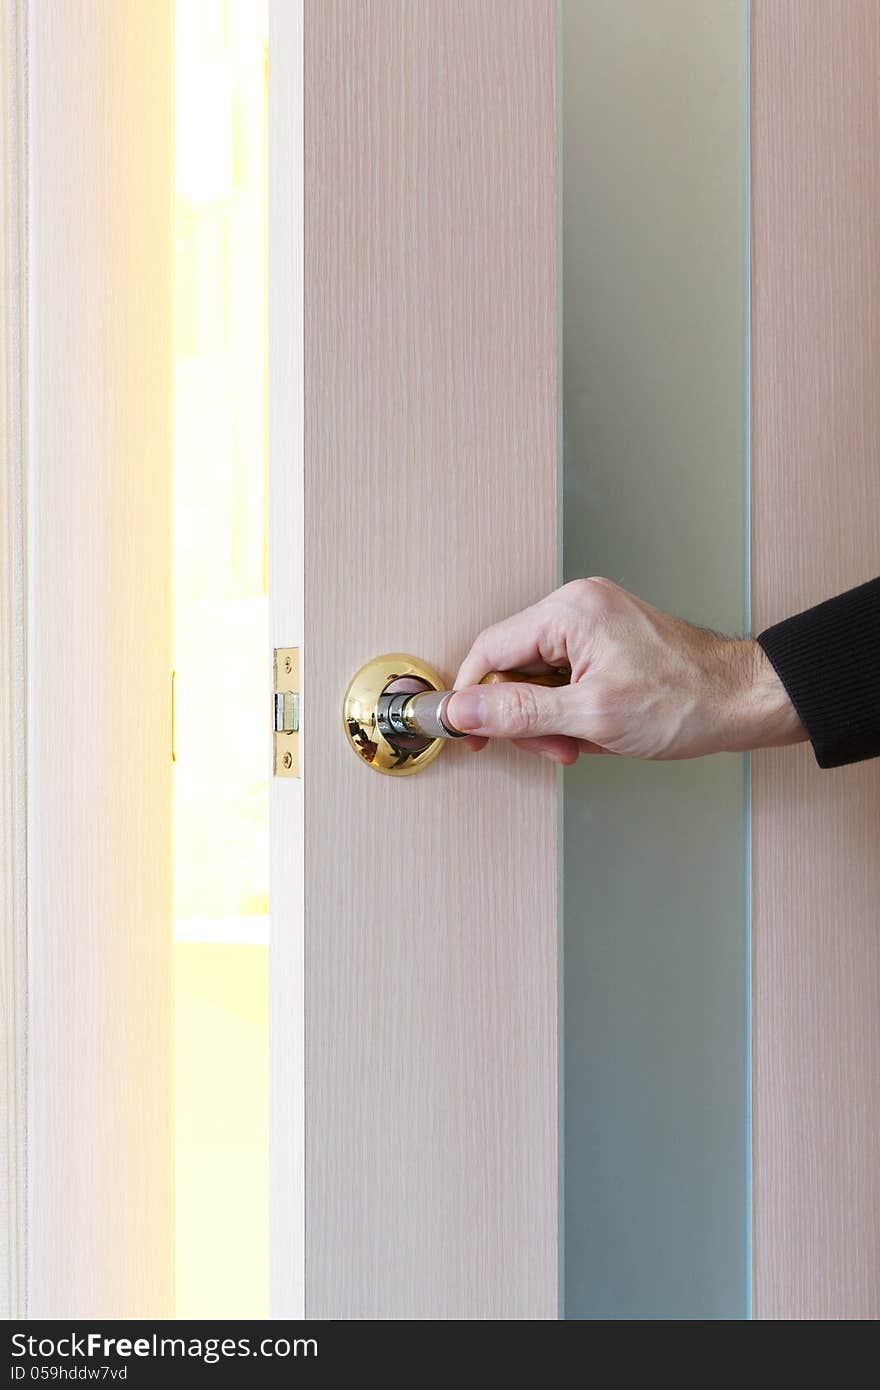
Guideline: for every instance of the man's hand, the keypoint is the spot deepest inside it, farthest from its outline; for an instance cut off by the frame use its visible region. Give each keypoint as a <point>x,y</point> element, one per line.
<point>643,684</point>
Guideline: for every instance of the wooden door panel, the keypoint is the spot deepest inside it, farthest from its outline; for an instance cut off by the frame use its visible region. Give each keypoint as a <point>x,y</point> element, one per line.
<point>430,510</point>
<point>815,531</point>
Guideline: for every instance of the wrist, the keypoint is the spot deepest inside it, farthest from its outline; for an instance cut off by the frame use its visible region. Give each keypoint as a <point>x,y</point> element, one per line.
<point>762,715</point>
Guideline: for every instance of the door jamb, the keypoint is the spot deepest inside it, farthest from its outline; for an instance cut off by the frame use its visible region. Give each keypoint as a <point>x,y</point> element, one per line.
<point>286,617</point>
<point>13,689</point>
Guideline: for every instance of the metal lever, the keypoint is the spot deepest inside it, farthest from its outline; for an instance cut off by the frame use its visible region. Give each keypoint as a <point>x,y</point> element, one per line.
<point>420,714</point>
<point>423,713</point>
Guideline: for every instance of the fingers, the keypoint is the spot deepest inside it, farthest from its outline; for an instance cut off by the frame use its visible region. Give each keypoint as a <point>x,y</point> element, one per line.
<point>529,640</point>
<point>475,744</point>
<point>556,747</point>
<point>585,746</point>
<point>559,748</point>
<point>515,711</point>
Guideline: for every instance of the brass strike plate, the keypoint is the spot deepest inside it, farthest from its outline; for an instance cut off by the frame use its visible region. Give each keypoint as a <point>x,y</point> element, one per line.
<point>285,702</point>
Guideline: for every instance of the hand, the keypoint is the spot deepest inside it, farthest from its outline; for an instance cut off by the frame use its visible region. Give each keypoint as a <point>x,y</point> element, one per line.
<point>643,684</point>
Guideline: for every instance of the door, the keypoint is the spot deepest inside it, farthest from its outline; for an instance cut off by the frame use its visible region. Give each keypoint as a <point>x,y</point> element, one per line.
<point>720,1057</point>
<point>418,925</point>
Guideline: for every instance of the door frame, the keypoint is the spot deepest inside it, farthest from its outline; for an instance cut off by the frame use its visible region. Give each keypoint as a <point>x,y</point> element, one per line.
<point>13,791</point>
<point>286,629</point>
<point>85,279</point>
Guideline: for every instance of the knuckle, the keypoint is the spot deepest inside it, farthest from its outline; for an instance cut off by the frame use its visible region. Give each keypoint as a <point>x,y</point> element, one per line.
<point>590,607</point>
<point>600,601</point>
<point>600,588</point>
<point>592,594</point>
<point>576,590</point>
<point>521,709</point>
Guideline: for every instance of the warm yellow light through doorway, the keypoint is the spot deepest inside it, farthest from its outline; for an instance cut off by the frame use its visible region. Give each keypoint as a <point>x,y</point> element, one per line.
<point>222,660</point>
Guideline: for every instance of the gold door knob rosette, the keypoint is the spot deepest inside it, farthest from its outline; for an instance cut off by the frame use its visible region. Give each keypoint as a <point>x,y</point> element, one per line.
<point>384,676</point>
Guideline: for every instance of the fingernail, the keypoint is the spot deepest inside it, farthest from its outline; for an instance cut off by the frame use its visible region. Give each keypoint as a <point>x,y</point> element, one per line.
<point>466,710</point>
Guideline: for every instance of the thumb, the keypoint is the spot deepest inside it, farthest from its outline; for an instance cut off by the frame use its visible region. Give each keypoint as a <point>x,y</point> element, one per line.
<point>508,710</point>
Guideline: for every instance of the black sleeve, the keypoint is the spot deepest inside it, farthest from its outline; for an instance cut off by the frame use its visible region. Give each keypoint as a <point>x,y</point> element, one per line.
<point>828,659</point>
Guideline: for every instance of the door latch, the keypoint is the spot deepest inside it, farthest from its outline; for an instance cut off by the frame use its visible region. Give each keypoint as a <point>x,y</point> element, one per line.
<point>285,712</point>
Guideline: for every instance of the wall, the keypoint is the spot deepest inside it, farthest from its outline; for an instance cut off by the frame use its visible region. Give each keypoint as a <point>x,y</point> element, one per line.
<point>99,357</point>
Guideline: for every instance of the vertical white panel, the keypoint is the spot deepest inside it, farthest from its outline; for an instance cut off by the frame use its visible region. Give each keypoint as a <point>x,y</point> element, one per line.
<point>13,810</point>
<point>100,163</point>
<point>286,998</point>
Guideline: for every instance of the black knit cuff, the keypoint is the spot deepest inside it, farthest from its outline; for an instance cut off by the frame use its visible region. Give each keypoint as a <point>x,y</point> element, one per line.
<point>828,659</point>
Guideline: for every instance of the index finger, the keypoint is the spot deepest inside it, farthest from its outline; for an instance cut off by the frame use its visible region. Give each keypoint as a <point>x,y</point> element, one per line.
<point>528,641</point>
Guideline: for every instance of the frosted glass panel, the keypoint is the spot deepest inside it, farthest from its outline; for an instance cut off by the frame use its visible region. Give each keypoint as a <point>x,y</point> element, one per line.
<point>655,1033</point>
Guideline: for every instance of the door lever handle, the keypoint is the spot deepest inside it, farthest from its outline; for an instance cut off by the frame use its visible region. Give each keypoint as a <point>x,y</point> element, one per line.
<point>424,711</point>
<point>394,712</point>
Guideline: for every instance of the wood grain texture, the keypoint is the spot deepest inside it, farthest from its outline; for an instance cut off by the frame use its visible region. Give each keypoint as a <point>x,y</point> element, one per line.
<point>815,129</point>
<point>99,624</point>
<point>13,796</point>
<point>430,509</point>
